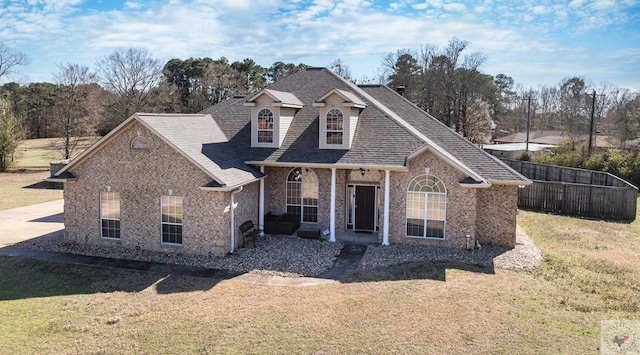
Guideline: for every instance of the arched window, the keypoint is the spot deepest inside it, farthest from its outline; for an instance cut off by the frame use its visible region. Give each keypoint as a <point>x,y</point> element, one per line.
<point>139,143</point>
<point>335,130</point>
<point>302,194</point>
<point>426,207</point>
<point>265,126</point>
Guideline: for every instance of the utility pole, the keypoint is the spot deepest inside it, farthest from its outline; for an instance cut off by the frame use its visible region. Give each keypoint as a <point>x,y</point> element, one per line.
<point>593,109</point>
<point>528,121</point>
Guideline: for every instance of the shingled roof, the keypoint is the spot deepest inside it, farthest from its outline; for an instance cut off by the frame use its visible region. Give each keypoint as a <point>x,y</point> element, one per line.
<point>198,138</point>
<point>391,130</point>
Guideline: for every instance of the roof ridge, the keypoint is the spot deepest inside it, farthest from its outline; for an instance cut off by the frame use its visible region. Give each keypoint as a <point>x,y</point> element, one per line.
<point>414,131</point>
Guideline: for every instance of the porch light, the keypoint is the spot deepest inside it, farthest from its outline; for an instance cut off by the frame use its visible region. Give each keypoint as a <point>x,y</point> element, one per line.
<point>362,171</point>
<point>170,191</point>
<point>108,188</point>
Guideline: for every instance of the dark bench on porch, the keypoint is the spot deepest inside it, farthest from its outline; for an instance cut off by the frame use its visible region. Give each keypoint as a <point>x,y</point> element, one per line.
<point>280,224</point>
<point>249,232</point>
<point>309,233</point>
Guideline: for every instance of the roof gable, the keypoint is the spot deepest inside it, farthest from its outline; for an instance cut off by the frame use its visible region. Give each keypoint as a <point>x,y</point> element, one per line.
<point>390,131</point>
<point>350,99</point>
<point>280,98</point>
<point>197,137</point>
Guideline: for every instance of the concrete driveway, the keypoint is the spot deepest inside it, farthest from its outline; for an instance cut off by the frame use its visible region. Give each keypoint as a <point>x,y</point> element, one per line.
<point>42,221</point>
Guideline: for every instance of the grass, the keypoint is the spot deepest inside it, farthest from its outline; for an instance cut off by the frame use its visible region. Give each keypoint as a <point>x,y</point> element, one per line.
<point>23,184</point>
<point>591,273</point>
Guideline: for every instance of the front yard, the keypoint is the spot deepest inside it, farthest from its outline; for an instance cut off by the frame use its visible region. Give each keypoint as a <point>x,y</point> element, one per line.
<point>591,273</point>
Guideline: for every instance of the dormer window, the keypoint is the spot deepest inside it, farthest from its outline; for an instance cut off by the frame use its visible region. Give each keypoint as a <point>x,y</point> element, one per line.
<point>271,115</point>
<point>265,126</point>
<point>339,112</point>
<point>335,126</point>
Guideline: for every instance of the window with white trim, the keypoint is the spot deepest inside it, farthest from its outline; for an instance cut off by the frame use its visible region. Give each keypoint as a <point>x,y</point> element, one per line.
<point>335,126</point>
<point>265,126</point>
<point>426,207</point>
<point>302,195</point>
<point>171,211</point>
<point>110,215</point>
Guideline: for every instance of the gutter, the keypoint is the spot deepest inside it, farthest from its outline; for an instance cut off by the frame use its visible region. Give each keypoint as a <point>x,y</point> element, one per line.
<point>327,166</point>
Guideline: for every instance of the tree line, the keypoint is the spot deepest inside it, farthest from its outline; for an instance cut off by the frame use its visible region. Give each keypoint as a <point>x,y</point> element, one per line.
<point>448,83</point>
<point>445,81</point>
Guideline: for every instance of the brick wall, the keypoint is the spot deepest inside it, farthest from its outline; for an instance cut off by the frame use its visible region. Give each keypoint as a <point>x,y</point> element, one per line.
<point>276,198</point>
<point>142,177</point>
<point>497,210</point>
<point>461,202</point>
<point>246,208</point>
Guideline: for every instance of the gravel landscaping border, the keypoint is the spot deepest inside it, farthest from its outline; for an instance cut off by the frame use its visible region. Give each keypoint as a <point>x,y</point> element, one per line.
<point>287,256</point>
<point>525,255</point>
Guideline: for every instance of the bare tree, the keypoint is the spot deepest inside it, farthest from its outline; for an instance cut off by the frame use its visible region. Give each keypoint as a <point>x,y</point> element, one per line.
<point>131,75</point>
<point>71,107</point>
<point>338,67</point>
<point>9,59</point>
<point>479,124</point>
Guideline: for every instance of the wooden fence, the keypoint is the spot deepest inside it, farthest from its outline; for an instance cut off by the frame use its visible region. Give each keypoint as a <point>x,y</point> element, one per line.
<point>574,191</point>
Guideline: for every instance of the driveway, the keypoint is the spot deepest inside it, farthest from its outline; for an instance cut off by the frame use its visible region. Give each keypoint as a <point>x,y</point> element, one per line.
<point>43,221</point>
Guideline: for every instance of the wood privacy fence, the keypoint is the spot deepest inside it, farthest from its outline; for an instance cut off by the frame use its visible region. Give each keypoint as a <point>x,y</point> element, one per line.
<point>572,191</point>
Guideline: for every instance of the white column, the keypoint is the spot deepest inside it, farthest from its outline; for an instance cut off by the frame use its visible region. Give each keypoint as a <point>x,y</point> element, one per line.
<point>332,213</point>
<point>385,225</point>
<point>261,203</point>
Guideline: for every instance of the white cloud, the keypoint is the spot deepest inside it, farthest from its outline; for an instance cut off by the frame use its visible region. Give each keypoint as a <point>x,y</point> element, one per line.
<point>455,7</point>
<point>420,6</point>
<point>540,10</point>
<point>517,42</point>
<point>130,5</point>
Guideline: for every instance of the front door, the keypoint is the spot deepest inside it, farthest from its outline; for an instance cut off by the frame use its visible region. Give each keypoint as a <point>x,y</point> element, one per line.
<point>365,207</point>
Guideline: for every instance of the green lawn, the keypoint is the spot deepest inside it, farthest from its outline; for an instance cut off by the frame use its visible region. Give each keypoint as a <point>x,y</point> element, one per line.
<point>591,273</point>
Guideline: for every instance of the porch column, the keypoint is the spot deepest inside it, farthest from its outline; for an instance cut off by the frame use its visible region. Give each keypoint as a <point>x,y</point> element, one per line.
<point>261,203</point>
<point>332,213</point>
<point>385,223</point>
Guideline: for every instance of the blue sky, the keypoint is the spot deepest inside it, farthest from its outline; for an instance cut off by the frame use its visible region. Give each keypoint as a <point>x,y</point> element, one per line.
<point>536,42</point>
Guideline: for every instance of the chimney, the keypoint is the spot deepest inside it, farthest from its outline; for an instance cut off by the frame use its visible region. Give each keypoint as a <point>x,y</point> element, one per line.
<point>400,90</point>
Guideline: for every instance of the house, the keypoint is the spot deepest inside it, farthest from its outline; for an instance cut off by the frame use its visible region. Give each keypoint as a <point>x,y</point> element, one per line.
<point>516,150</point>
<point>554,138</point>
<point>334,156</point>
<point>537,137</point>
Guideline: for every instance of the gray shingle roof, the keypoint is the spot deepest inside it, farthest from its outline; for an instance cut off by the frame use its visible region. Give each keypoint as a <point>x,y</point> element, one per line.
<point>487,166</point>
<point>200,139</point>
<point>389,130</point>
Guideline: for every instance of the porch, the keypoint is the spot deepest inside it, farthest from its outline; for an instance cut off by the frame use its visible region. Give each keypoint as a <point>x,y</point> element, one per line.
<point>337,202</point>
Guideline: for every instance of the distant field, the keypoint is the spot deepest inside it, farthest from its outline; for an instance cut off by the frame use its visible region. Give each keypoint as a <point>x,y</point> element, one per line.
<point>36,154</point>
<point>23,184</point>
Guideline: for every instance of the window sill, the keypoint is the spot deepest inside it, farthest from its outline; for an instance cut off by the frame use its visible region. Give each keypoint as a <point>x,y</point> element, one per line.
<point>171,244</point>
<point>427,238</point>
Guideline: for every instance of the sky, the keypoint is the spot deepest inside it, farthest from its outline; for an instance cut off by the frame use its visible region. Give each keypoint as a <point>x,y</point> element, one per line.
<point>536,42</point>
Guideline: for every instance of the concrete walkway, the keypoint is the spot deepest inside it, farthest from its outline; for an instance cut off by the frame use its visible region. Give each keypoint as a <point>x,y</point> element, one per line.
<point>46,221</point>
<point>42,221</point>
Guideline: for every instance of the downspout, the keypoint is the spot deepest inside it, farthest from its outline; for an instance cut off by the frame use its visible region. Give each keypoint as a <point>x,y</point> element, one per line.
<point>261,203</point>
<point>233,226</point>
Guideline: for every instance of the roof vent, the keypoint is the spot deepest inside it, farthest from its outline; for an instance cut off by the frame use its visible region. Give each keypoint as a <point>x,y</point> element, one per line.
<point>400,90</point>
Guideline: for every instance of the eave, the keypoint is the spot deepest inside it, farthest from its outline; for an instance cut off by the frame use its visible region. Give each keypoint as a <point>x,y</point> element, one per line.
<point>399,168</point>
